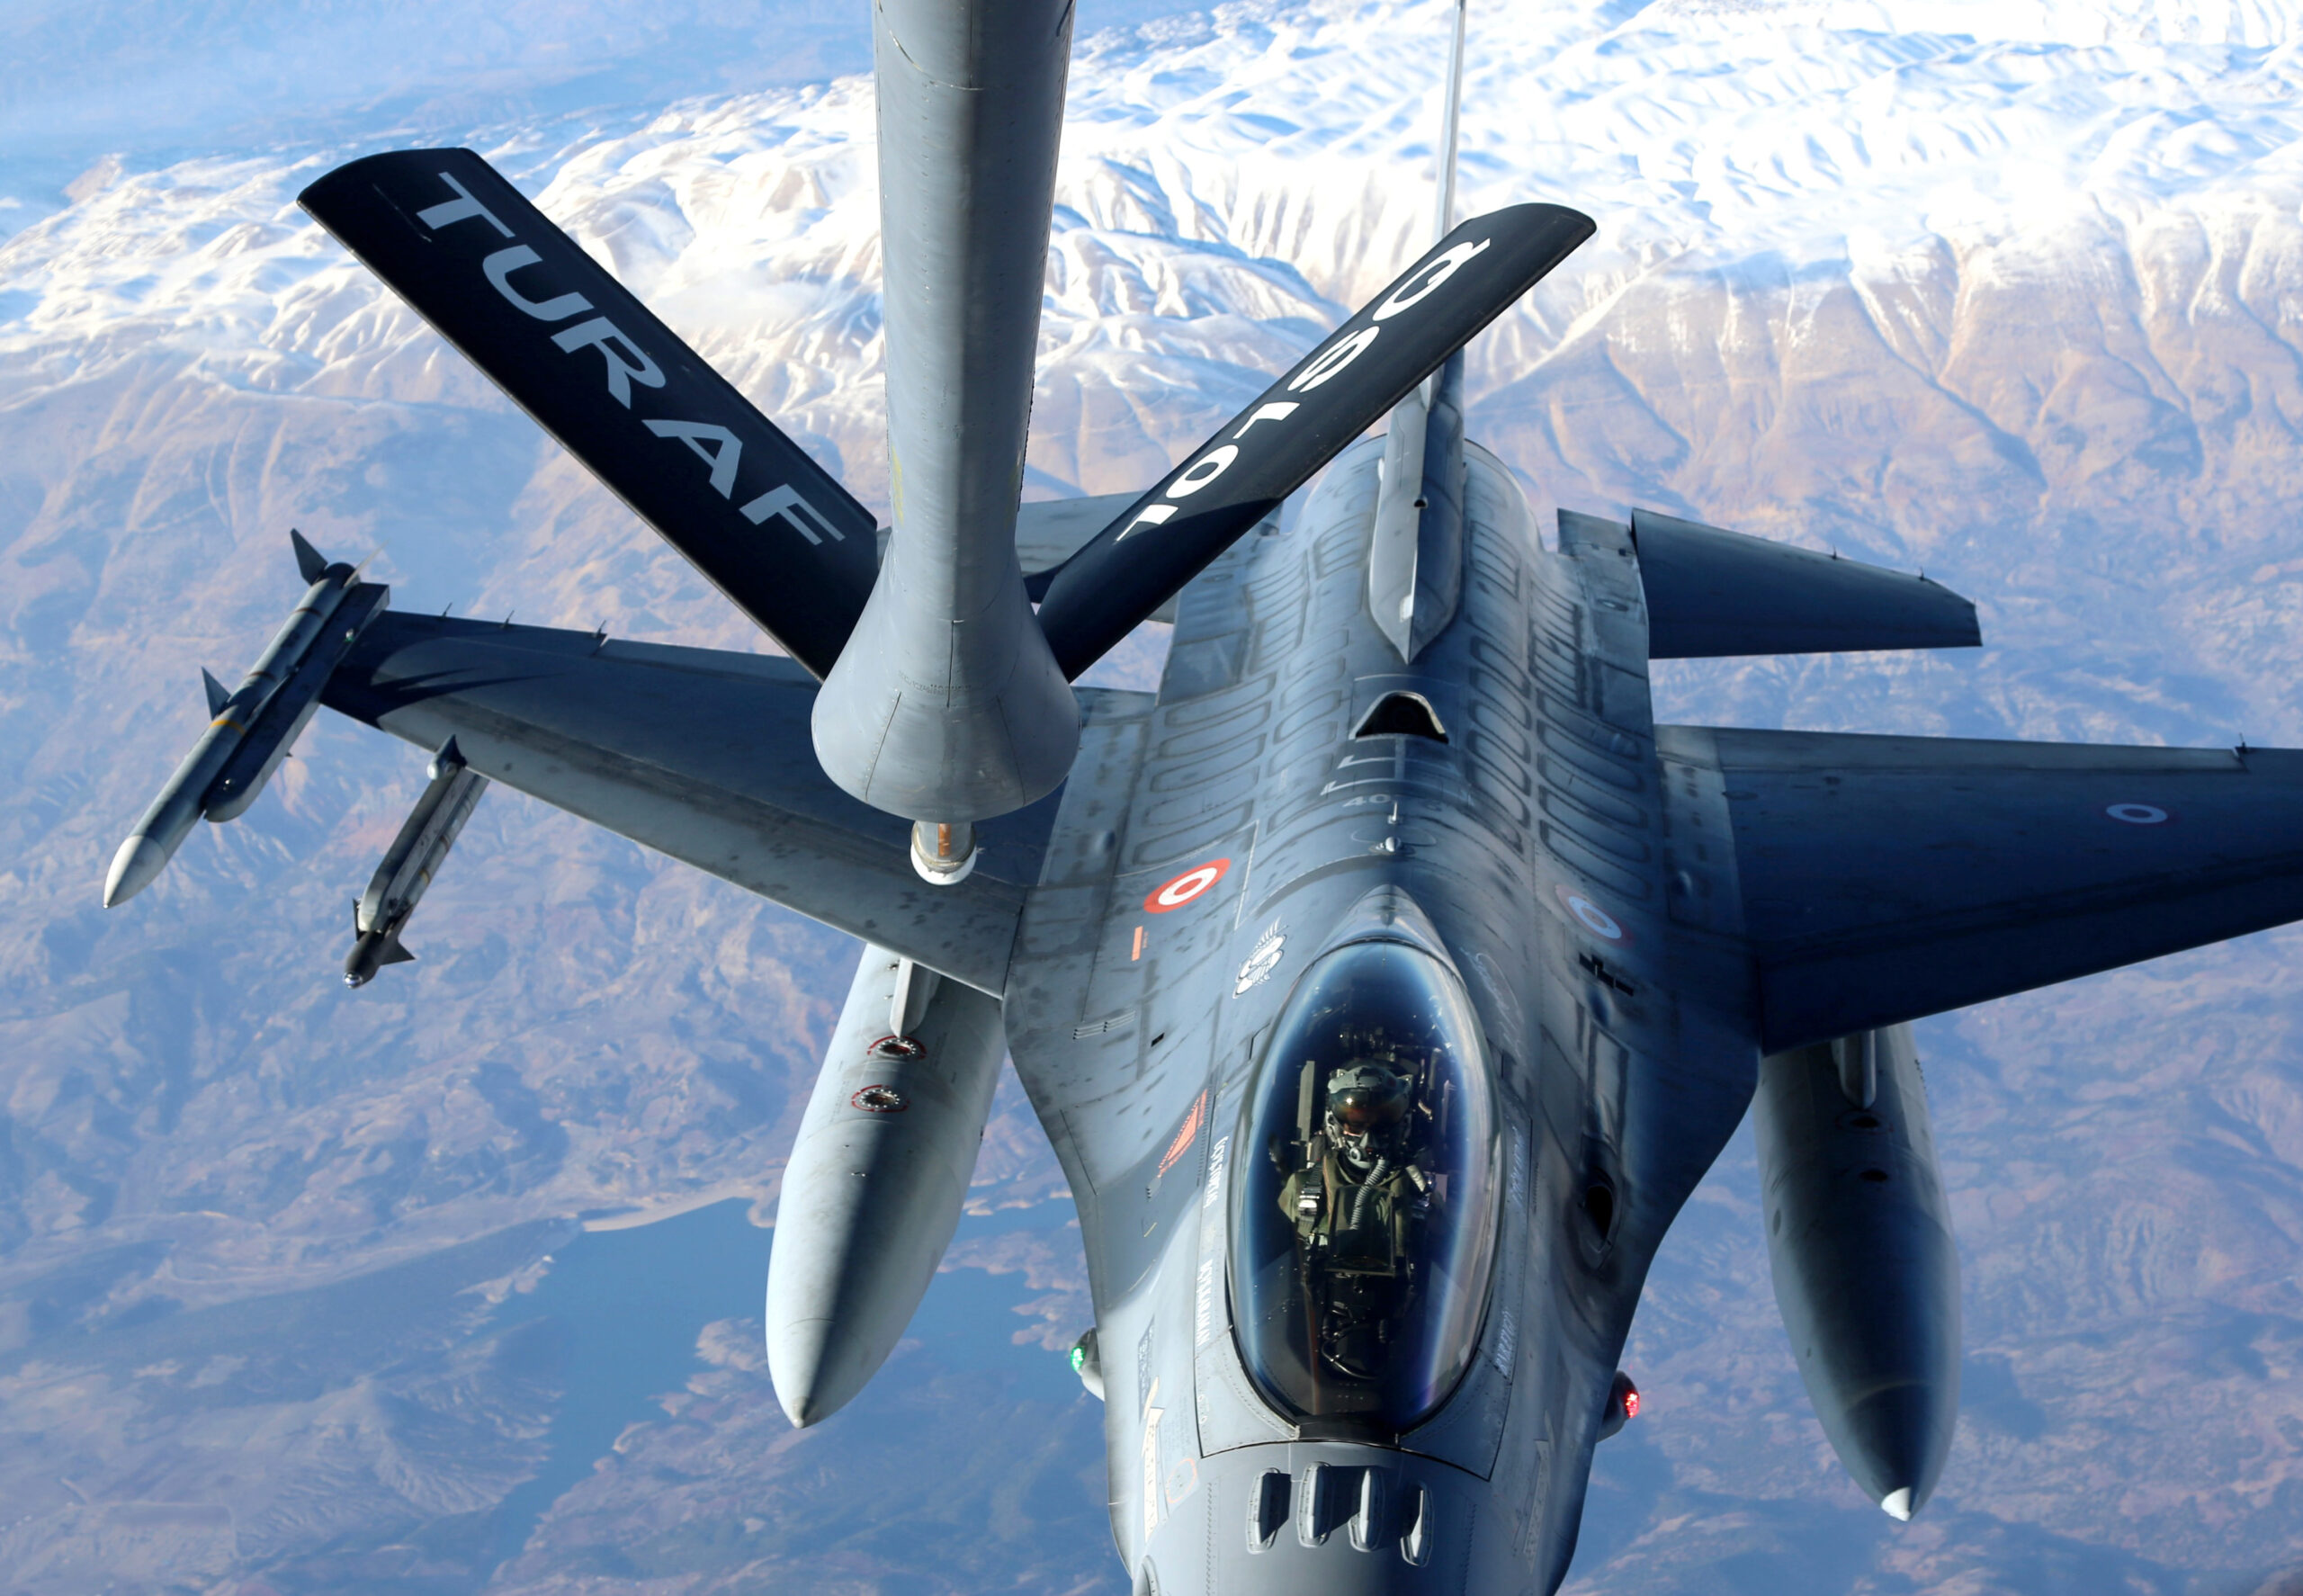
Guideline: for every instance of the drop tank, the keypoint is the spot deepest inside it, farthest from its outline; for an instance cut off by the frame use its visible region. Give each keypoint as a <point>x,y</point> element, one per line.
<point>872,1195</point>
<point>1860,1241</point>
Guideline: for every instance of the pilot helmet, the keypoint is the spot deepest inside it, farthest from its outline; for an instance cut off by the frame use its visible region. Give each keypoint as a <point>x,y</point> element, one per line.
<point>1365,1096</point>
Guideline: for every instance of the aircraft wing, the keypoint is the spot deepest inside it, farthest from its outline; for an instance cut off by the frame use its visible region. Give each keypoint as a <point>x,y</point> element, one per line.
<point>1884,878</point>
<point>700,755</point>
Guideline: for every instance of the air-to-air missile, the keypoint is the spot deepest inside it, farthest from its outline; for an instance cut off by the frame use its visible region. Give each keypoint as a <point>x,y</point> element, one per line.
<point>409,864</point>
<point>871,1194</point>
<point>1859,1236</point>
<point>252,728</point>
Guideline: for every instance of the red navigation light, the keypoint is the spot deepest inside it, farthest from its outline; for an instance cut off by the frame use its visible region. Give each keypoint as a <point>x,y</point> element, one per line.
<point>1622,1405</point>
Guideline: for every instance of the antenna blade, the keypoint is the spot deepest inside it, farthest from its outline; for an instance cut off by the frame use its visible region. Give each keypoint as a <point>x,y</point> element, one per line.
<point>1300,423</point>
<point>617,388</point>
<point>1453,120</point>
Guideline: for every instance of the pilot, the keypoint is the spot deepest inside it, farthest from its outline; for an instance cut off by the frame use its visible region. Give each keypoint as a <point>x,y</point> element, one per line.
<point>1366,1117</point>
<point>1362,1187</point>
<point>1358,1204</point>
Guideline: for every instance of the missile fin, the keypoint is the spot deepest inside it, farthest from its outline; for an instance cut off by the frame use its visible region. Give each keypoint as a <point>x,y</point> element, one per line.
<point>310,560</point>
<point>217,696</point>
<point>394,953</point>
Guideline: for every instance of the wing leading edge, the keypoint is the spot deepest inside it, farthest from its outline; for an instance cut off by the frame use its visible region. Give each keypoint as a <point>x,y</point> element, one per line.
<point>1885,878</point>
<point>700,755</point>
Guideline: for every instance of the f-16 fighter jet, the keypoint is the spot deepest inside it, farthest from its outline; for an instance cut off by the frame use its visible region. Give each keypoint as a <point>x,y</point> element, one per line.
<point>1385,982</point>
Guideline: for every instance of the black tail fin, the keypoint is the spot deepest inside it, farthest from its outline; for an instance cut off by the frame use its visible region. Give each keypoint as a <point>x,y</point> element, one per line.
<point>572,347</point>
<point>1299,424</point>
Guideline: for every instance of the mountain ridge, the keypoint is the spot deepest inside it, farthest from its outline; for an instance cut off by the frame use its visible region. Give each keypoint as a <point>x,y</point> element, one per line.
<point>2014,293</point>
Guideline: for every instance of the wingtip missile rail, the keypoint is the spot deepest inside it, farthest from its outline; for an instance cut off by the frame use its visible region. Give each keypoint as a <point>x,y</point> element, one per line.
<point>252,728</point>
<point>413,857</point>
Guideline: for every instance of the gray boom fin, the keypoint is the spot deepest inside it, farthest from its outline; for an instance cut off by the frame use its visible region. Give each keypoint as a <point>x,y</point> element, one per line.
<point>572,347</point>
<point>1241,472</point>
<point>1051,531</point>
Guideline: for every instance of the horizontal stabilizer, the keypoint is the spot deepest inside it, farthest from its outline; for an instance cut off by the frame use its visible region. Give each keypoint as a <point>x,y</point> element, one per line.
<point>1711,594</point>
<point>700,755</point>
<point>1887,878</point>
<point>1051,531</point>
<point>693,458</point>
<point>1240,473</point>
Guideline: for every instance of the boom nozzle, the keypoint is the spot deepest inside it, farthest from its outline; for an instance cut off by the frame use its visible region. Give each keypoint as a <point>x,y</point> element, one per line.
<point>943,853</point>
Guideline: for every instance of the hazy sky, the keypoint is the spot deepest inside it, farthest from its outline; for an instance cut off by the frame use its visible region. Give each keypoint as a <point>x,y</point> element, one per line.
<point>161,78</point>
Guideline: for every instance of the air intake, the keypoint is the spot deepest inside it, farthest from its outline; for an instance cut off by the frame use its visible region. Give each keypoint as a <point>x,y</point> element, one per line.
<point>1402,714</point>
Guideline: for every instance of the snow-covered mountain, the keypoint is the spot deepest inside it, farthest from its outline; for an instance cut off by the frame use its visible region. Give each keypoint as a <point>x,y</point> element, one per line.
<point>2012,290</point>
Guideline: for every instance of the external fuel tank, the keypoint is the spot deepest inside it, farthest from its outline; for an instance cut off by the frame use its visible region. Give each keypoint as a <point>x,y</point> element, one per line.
<point>1860,1238</point>
<point>872,1195</point>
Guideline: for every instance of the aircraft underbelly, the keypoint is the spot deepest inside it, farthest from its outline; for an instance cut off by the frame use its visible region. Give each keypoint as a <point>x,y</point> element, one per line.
<point>1203,852</point>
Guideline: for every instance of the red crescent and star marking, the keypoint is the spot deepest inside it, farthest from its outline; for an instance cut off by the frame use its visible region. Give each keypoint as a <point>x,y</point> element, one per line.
<point>1183,889</point>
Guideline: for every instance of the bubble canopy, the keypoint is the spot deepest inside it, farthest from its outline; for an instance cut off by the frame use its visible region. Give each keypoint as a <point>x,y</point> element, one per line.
<point>1364,1217</point>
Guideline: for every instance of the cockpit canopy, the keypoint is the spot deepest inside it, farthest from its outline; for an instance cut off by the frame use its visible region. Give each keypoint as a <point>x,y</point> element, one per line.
<point>1364,1217</point>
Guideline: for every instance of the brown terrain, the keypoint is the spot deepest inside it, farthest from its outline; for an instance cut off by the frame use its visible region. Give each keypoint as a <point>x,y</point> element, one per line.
<point>266,1244</point>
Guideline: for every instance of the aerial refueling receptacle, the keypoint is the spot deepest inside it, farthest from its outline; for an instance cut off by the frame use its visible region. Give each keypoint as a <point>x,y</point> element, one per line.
<point>253,727</point>
<point>409,864</point>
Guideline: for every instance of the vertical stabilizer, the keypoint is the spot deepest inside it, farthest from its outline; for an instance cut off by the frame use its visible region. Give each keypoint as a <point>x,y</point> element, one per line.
<point>946,705</point>
<point>1415,562</point>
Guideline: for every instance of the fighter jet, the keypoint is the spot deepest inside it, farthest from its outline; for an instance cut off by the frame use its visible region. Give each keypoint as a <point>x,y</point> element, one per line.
<point>1386,980</point>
